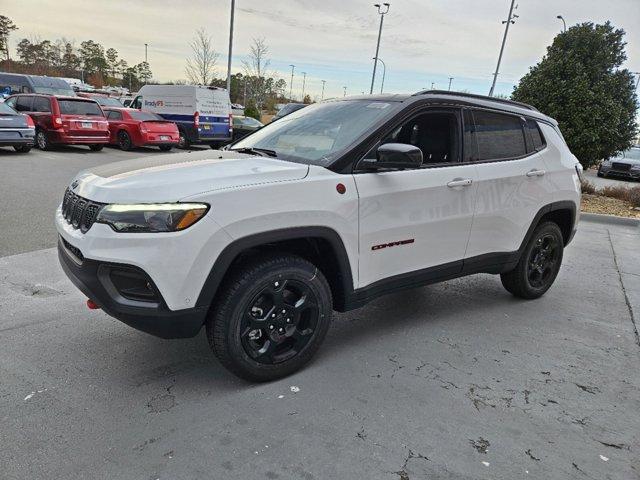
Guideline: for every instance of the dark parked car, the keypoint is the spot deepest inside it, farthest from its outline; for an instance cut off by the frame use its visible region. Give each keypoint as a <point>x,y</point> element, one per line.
<point>64,120</point>
<point>625,165</point>
<point>287,109</point>
<point>16,130</point>
<point>243,126</point>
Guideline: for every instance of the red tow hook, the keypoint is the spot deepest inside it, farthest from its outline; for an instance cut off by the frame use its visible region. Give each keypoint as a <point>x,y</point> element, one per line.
<point>92,305</point>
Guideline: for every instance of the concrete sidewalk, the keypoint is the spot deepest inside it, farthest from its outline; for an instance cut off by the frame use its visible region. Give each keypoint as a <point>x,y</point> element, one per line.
<point>453,381</point>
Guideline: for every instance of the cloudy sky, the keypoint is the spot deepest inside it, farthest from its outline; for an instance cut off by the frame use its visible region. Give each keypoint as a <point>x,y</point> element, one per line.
<point>423,41</point>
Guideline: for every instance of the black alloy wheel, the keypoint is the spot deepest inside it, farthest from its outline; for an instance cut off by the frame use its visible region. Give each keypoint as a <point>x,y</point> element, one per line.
<point>542,260</point>
<point>124,140</point>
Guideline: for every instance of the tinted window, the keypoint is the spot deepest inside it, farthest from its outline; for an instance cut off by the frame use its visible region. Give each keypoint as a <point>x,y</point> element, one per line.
<point>536,135</point>
<point>41,104</point>
<point>79,107</point>
<point>24,104</point>
<point>113,115</point>
<point>498,136</point>
<point>144,116</point>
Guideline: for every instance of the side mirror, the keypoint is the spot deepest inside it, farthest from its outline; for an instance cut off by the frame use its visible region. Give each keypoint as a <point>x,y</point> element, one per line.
<point>397,155</point>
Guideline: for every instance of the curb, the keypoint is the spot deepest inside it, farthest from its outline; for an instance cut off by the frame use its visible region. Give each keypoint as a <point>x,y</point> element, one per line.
<point>601,218</point>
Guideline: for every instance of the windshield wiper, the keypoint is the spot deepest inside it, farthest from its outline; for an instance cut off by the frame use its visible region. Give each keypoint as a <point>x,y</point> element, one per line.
<point>255,151</point>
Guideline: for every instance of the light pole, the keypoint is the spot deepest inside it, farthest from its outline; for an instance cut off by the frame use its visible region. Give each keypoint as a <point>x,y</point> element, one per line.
<point>293,67</point>
<point>450,80</point>
<point>432,85</point>
<point>145,52</point>
<point>637,74</point>
<point>564,24</point>
<point>384,71</point>
<point>322,96</point>
<point>233,9</point>
<point>304,81</point>
<point>382,13</point>
<point>345,91</point>
<point>507,22</point>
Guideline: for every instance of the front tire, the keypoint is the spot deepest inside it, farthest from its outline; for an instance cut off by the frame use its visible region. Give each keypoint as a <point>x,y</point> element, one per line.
<point>271,317</point>
<point>539,264</point>
<point>22,148</point>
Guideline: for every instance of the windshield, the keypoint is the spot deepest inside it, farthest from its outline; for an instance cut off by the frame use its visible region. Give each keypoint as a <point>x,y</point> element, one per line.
<point>108,101</point>
<point>319,133</point>
<point>79,107</point>
<point>633,154</point>
<point>145,116</point>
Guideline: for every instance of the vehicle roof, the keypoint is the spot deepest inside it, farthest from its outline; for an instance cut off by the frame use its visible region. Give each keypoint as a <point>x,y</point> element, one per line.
<point>445,96</point>
<point>41,80</point>
<point>59,97</point>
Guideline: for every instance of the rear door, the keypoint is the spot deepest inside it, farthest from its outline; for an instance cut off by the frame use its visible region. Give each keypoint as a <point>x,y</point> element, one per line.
<point>512,183</point>
<point>418,220</point>
<point>41,111</point>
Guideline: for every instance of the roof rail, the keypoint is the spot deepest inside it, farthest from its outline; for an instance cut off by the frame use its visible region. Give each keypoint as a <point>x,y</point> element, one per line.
<point>479,97</point>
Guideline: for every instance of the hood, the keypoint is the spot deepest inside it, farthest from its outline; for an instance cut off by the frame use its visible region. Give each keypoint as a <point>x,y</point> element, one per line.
<point>172,177</point>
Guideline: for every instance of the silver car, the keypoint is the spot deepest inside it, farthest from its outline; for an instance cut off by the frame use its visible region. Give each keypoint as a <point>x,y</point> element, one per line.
<point>625,165</point>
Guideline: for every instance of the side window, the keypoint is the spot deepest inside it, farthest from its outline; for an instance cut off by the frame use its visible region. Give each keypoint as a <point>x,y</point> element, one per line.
<point>24,104</point>
<point>536,135</point>
<point>498,136</point>
<point>41,104</point>
<point>437,134</point>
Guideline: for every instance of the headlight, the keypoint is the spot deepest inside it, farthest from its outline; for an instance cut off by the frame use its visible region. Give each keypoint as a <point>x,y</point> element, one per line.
<point>154,217</point>
<point>606,163</point>
<point>635,167</point>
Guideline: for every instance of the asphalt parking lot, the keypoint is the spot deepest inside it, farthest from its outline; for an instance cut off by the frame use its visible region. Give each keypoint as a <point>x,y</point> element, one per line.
<point>452,381</point>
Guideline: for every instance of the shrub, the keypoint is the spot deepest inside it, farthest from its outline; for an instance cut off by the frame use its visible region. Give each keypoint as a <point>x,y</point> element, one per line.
<point>627,194</point>
<point>587,187</point>
<point>634,196</point>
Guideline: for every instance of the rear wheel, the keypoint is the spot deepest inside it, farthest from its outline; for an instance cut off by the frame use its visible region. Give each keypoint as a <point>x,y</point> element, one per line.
<point>22,148</point>
<point>271,317</point>
<point>166,148</point>
<point>96,148</point>
<point>183,141</point>
<point>539,264</point>
<point>42,140</point>
<point>124,140</point>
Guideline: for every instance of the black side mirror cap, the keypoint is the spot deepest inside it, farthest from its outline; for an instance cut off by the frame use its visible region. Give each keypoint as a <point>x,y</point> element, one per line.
<point>397,155</point>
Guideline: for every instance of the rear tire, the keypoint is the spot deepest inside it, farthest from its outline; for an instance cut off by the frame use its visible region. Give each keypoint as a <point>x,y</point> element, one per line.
<point>42,141</point>
<point>271,316</point>
<point>124,141</point>
<point>22,148</point>
<point>96,148</point>
<point>183,141</point>
<point>166,148</point>
<point>539,264</point>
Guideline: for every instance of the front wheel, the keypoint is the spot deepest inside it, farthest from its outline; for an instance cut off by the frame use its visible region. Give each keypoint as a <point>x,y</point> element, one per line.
<point>539,264</point>
<point>22,148</point>
<point>600,174</point>
<point>272,315</point>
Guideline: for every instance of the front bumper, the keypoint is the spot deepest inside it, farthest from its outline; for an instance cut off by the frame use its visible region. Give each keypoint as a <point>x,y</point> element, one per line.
<point>94,279</point>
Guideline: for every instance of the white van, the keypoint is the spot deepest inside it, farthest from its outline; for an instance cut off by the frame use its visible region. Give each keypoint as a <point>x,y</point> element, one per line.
<point>202,114</point>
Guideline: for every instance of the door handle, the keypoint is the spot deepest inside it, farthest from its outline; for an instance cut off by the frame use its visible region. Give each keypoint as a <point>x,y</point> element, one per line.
<point>460,182</point>
<point>535,173</point>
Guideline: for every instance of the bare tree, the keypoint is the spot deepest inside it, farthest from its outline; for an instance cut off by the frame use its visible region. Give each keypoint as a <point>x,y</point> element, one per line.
<point>201,68</point>
<point>255,69</point>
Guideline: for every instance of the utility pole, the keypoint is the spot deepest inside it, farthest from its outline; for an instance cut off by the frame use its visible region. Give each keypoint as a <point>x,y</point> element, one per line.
<point>146,60</point>
<point>432,85</point>
<point>507,22</point>
<point>233,8</point>
<point>322,96</point>
<point>293,67</point>
<point>382,13</point>
<point>345,91</point>
<point>450,80</point>
<point>304,81</point>
<point>564,24</point>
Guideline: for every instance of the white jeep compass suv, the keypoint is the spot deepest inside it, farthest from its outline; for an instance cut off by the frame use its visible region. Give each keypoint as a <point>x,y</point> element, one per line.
<point>324,210</point>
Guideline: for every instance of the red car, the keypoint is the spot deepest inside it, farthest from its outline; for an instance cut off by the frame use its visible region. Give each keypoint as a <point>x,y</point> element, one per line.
<point>132,128</point>
<point>63,120</point>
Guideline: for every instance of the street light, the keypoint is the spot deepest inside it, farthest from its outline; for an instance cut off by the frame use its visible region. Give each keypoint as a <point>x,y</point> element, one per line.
<point>304,81</point>
<point>382,12</point>
<point>322,96</point>
<point>293,67</point>
<point>450,80</point>
<point>507,22</point>
<point>345,91</point>
<point>145,52</point>
<point>432,85</point>
<point>564,24</point>
<point>384,71</point>
<point>233,9</point>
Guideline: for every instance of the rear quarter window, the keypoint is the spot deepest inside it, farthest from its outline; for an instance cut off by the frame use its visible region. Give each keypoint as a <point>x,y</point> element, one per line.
<point>537,138</point>
<point>144,116</point>
<point>79,107</point>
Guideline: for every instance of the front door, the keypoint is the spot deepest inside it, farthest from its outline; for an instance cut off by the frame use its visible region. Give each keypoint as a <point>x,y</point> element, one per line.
<point>411,220</point>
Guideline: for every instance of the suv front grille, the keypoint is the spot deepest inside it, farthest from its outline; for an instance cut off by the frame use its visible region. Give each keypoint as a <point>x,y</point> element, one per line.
<point>79,212</point>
